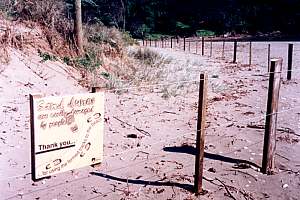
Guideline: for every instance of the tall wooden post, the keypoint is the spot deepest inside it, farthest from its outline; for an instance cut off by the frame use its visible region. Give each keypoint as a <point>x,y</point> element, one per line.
<point>250,53</point>
<point>162,43</point>
<point>184,44</point>
<point>155,43</point>
<point>269,56</point>
<point>202,46</point>
<point>143,42</point>
<point>150,41</point>
<point>171,42</point>
<point>223,50</point>
<point>32,97</point>
<point>211,48</point>
<point>290,62</point>
<point>234,51</point>
<point>200,133</point>
<point>78,27</point>
<point>271,116</point>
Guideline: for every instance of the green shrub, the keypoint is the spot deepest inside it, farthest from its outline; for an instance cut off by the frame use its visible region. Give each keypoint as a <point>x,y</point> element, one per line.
<point>89,61</point>
<point>205,33</point>
<point>127,39</point>
<point>148,57</point>
<point>46,56</point>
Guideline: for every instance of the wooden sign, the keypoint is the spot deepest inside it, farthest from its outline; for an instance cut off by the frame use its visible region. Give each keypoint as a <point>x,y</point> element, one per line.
<point>66,133</point>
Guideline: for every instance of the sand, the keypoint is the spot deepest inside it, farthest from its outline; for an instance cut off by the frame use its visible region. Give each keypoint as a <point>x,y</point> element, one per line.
<point>159,163</point>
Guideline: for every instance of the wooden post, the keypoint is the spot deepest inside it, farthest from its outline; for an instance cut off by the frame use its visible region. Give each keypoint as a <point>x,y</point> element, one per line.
<point>32,131</point>
<point>162,43</point>
<point>250,53</point>
<point>196,46</point>
<point>269,56</point>
<point>271,116</point>
<point>155,43</point>
<point>146,42</point>
<point>171,42</point>
<point>202,46</point>
<point>223,50</point>
<point>200,133</point>
<point>290,62</point>
<point>210,52</point>
<point>234,51</point>
<point>143,42</point>
<point>184,44</point>
<point>150,42</point>
<point>189,46</point>
<point>97,89</point>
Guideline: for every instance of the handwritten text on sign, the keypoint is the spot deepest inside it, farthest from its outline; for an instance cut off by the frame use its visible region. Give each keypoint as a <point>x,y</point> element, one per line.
<point>68,133</point>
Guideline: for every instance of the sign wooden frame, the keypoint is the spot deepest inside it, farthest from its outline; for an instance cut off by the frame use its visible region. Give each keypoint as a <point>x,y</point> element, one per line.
<point>66,133</point>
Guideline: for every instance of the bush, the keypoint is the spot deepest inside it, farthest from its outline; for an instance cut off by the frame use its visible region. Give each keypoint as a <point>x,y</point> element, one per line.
<point>90,61</point>
<point>46,56</point>
<point>99,34</point>
<point>205,33</point>
<point>127,39</point>
<point>148,57</point>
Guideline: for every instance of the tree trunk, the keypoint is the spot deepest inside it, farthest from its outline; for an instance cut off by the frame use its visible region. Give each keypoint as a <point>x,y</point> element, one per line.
<point>78,26</point>
<point>124,14</point>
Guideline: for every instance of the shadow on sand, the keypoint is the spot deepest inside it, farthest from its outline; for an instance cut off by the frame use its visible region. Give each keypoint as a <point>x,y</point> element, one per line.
<point>192,150</point>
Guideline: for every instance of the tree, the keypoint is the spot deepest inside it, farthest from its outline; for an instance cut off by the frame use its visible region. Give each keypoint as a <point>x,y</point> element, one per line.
<point>78,26</point>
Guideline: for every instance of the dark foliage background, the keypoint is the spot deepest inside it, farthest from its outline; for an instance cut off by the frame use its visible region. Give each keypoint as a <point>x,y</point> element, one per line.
<point>185,17</point>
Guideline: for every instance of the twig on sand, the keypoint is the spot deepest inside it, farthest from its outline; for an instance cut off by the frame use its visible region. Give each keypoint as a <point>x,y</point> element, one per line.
<point>285,130</point>
<point>226,188</point>
<point>242,172</point>
<point>136,128</point>
<point>169,112</point>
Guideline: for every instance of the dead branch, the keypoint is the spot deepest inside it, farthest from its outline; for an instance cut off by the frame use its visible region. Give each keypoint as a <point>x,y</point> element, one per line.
<point>226,188</point>
<point>136,128</point>
<point>284,130</point>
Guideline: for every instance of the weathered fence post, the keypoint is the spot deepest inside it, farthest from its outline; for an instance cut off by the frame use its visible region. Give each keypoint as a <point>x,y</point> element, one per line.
<point>223,50</point>
<point>184,44</point>
<point>202,46</point>
<point>143,42</point>
<point>234,51</point>
<point>250,53</point>
<point>211,48</point>
<point>171,42</point>
<point>290,62</point>
<point>189,46</point>
<point>162,42</point>
<point>32,97</point>
<point>271,116</point>
<point>269,56</point>
<point>200,133</point>
<point>155,43</point>
<point>150,42</point>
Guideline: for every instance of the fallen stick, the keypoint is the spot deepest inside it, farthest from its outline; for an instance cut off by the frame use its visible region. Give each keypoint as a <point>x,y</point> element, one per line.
<point>285,130</point>
<point>226,188</point>
<point>136,128</point>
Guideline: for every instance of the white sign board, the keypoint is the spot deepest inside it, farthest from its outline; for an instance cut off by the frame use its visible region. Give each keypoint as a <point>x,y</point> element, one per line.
<point>66,133</point>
